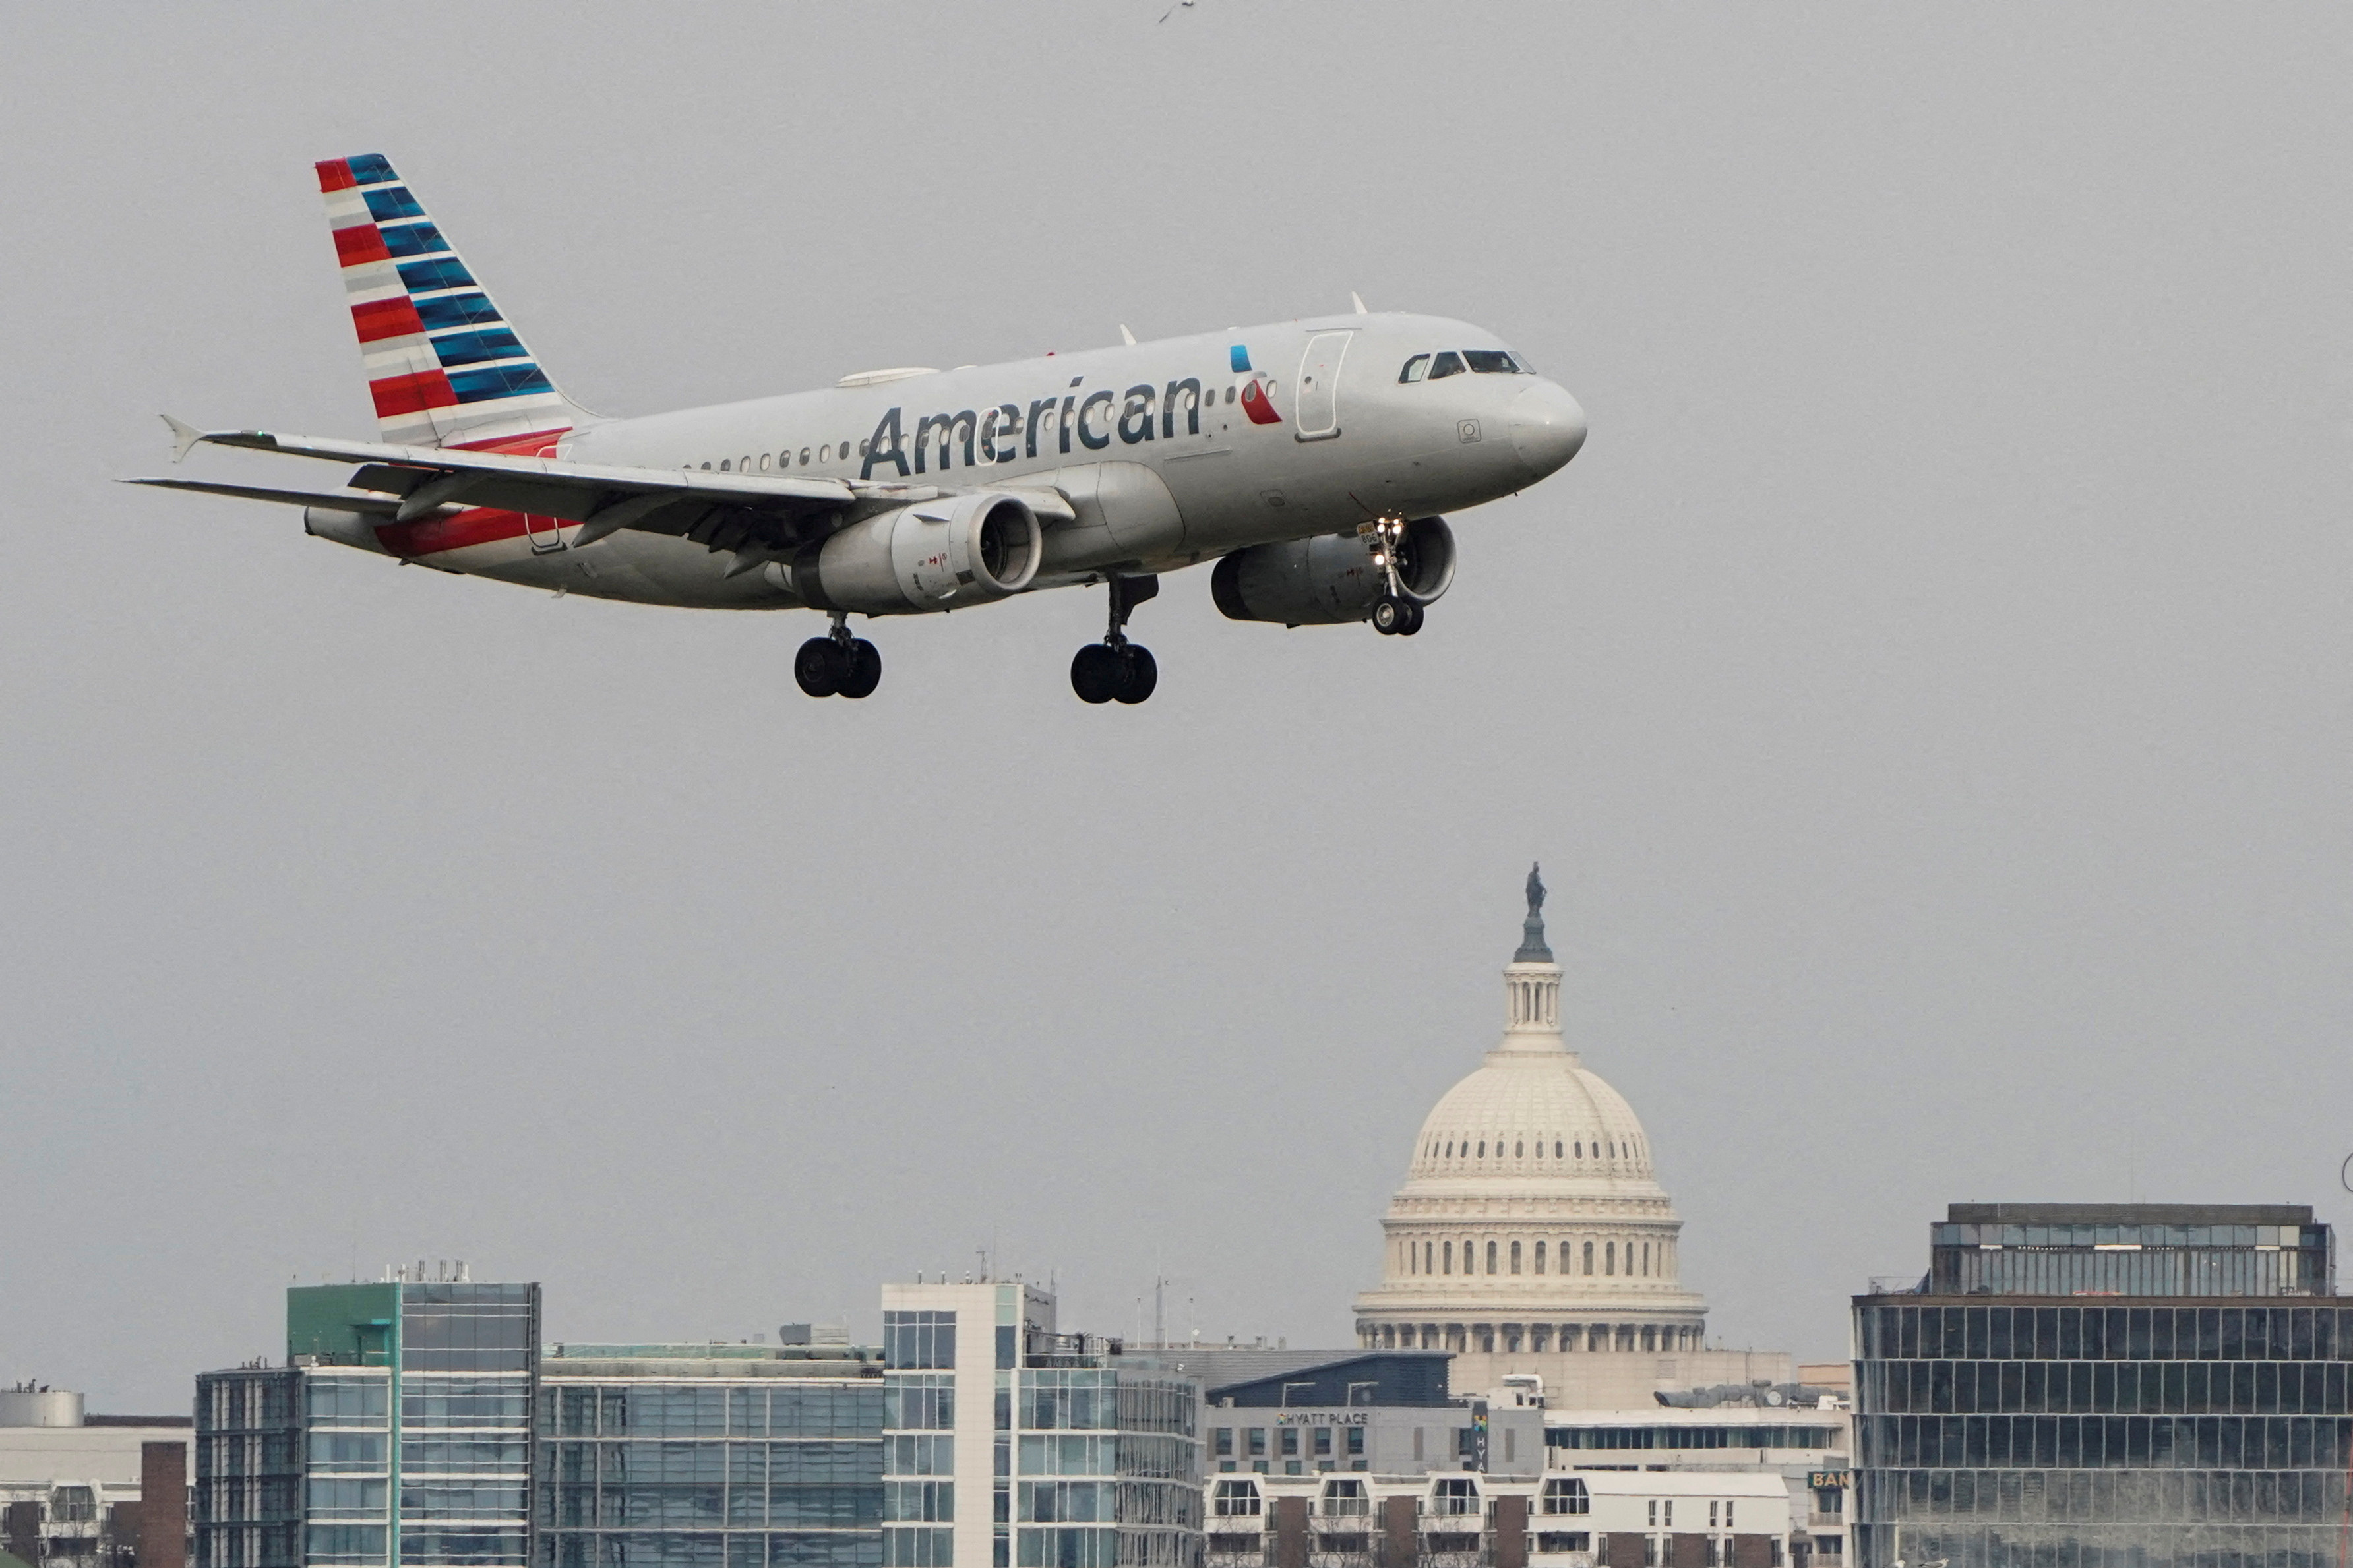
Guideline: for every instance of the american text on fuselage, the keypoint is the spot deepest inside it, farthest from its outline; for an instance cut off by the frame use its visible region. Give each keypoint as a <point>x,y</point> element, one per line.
<point>1312,462</point>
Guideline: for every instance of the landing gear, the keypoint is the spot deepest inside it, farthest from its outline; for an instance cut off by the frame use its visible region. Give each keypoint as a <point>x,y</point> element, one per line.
<point>838,665</point>
<point>1395,614</point>
<point>1115,669</point>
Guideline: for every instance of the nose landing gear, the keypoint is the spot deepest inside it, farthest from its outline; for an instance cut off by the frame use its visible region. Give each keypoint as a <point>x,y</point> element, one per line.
<point>1116,669</point>
<point>837,664</point>
<point>1395,612</point>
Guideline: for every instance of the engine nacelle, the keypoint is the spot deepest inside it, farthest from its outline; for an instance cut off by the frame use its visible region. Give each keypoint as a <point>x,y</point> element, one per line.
<point>1331,580</point>
<point>935,555</point>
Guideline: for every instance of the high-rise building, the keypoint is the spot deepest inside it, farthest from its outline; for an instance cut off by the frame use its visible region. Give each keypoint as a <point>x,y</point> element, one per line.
<point>711,1456</point>
<point>2084,1385</point>
<point>1532,1237</point>
<point>397,1433</point>
<point>1007,1443</point>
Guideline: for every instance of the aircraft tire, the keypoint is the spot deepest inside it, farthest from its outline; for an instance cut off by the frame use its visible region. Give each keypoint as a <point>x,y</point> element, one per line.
<point>1096,673</point>
<point>821,668</point>
<point>1389,616</point>
<point>865,670</point>
<point>1413,614</point>
<point>1139,673</point>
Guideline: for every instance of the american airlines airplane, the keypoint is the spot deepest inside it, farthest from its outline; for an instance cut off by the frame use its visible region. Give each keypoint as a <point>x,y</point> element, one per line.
<point>1311,461</point>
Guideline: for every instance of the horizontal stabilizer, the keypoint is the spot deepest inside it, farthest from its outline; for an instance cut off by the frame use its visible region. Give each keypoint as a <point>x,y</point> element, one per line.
<point>338,500</point>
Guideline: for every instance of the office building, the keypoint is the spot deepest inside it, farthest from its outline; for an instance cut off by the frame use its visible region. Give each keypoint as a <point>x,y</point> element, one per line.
<point>397,1433</point>
<point>2108,1386</point>
<point>1532,1237</point>
<point>84,1490</point>
<point>1007,1443</point>
<point>1600,1518</point>
<point>709,1456</point>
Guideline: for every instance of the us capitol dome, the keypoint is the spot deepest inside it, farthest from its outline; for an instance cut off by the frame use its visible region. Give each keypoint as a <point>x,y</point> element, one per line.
<point>1532,1235</point>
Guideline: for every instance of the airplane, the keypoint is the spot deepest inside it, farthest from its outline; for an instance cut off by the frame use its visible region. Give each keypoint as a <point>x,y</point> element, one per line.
<point>1311,461</point>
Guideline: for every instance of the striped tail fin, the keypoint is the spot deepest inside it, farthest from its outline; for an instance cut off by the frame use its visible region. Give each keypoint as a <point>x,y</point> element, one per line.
<point>445,367</point>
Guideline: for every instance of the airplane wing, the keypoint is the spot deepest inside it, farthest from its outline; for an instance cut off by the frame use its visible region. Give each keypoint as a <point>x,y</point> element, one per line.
<point>756,515</point>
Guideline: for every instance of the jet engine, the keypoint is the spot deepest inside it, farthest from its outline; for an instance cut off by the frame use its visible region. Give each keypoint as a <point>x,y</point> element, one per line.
<point>935,555</point>
<point>1332,579</point>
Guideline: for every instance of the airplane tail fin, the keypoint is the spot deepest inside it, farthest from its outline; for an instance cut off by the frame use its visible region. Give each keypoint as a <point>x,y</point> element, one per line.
<point>445,367</point>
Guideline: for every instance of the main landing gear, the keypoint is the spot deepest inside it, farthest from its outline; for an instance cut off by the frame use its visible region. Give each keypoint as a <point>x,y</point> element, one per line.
<point>837,664</point>
<point>1116,669</point>
<point>1395,614</point>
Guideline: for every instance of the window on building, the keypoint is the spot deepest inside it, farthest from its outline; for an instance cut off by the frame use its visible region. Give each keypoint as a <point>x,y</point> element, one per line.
<point>1235,1499</point>
<point>1540,1257</point>
<point>1455,1496</point>
<point>1450,1258</point>
<point>1516,1257</point>
<point>1608,1258</point>
<point>1320,1446</point>
<point>919,1338</point>
<point>1565,1494</point>
<point>1222,1442</point>
<point>1290,1439</point>
<point>1355,1442</point>
<point>1257,1442</point>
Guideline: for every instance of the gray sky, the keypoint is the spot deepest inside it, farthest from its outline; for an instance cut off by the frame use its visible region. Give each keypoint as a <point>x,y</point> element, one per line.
<point>1927,691</point>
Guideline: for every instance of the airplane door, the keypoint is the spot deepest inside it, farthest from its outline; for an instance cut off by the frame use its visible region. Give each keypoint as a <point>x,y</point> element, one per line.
<point>1319,386</point>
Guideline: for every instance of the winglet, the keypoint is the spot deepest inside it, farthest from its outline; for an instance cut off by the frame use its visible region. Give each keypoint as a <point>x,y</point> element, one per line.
<point>184,436</point>
<point>1125,336</point>
<point>1359,301</point>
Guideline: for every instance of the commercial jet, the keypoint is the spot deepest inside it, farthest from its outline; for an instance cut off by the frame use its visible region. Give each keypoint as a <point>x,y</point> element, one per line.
<point>1312,462</point>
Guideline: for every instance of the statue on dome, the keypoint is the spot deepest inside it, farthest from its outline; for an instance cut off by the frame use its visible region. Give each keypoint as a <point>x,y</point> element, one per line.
<point>1532,932</point>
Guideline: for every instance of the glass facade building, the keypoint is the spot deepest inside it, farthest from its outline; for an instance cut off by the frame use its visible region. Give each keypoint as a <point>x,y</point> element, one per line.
<point>710,1456</point>
<point>398,1432</point>
<point>2111,1421</point>
<point>1007,1443</point>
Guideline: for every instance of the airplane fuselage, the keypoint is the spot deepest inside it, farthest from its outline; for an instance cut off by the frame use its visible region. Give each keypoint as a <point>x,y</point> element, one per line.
<point>1170,453</point>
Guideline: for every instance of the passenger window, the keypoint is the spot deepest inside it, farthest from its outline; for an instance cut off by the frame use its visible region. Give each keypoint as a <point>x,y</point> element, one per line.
<point>1415,368</point>
<point>784,460</point>
<point>1492,362</point>
<point>763,462</point>
<point>1229,394</point>
<point>706,468</point>
<point>746,466</point>
<point>804,457</point>
<point>723,465</point>
<point>824,454</point>
<point>1445,364</point>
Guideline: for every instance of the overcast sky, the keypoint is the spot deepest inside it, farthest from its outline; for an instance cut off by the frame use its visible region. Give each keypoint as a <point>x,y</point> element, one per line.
<point>1928,691</point>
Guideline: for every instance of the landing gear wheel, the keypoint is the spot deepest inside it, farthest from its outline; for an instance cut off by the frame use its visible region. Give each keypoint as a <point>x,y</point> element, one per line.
<point>822,665</point>
<point>1139,672</point>
<point>1412,619</point>
<point>1391,615</point>
<point>864,669</point>
<point>1097,673</point>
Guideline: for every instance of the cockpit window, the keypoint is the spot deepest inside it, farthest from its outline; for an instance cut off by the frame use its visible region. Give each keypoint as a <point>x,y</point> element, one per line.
<point>1415,368</point>
<point>1494,362</point>
<point>1448,363</point>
